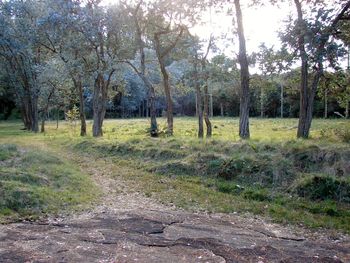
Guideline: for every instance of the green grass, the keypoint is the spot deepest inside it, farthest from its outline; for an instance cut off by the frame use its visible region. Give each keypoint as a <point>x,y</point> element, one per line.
<point>34,182</point>
<point>268,175</point>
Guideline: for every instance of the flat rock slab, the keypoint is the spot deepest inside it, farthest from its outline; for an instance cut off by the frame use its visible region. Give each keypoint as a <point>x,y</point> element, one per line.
<point>161,236</point>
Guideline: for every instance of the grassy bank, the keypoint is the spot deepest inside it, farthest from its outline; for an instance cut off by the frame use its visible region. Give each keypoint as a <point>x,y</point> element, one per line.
<point>36,183</point>
<point>273,174</point>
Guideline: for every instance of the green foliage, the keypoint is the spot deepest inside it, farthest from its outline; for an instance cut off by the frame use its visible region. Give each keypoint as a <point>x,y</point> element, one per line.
<point>72,115</point>
<point>321,187</point>
<point>229,187</point>
<point>257,194</point>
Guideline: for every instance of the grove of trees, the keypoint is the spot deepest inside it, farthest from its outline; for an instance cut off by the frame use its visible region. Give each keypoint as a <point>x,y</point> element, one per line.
<point>141,59</point>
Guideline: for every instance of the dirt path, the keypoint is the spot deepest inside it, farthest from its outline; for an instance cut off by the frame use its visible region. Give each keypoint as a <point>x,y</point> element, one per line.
<point>128,227</point>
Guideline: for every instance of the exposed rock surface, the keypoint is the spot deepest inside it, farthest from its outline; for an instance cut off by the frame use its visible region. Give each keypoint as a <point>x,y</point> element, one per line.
<point>162,236</point>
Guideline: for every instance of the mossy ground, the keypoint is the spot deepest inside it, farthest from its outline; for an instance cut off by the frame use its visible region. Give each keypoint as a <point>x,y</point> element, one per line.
<point>266,175</point>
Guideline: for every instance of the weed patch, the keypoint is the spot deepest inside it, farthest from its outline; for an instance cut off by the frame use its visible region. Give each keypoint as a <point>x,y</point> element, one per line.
<point>321,187</point>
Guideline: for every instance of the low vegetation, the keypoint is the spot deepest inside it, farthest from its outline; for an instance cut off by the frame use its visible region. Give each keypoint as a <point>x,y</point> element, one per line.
<point>303,182</point>
<point>34,182</point>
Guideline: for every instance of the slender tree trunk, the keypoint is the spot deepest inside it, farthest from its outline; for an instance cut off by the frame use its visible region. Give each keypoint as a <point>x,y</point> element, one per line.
<point>153,112</point>
<point>152,100</point>
<point>206,99</point>
<point>282,100</point>
<point>79,86</point>
<point>199,105</point>
<point>142,75</point>
<point>211,105</point>
<point>303,114</point>
<point>347,110</point>
<point>99,105</point>
<point>206,111</point>
<point>195,97</point>
<point>147,107</point>
<point>42,130</point>
<point>169,101</point>
<point>243,61</point>
<point>199,112</point>
<point>221,109</point>
<point>325,104</point>
<point>57,117</point>
<point>35,113</point>
<point>262,103</point>
<point>26,111</point>
<point>162,52</point>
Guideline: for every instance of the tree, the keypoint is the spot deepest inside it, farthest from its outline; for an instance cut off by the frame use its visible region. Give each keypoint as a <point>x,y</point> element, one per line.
<point>22,55</point>
<point>107,34</point>
<point>243,61</point>
<point>314,46</point>
<point>138,15</point>
<point>168,23</point>
<point>60,37</point>
<point>162,51</point>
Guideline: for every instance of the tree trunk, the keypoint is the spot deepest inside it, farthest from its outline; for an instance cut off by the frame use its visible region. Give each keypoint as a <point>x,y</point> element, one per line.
<point>161,53</point>
<point>99,105</point>
<point>142,75</point>
<point>303,132</point>
<point>199,105</point>
<point>206,111</point>
<point>35,113</point>
<point>347,110</point>
<point>42,130</point>
<point>243,61</point>
<point>57,117</point>
<point>307,96</point>
<point>147,108</point>
<point>26,112</point>
<point>262,103</point>
<point>221,109</point>
<point>169,102</point>
<point>282,100</point>
<point>325,104</point>
<point>153,112</point>
<point>79,86</point>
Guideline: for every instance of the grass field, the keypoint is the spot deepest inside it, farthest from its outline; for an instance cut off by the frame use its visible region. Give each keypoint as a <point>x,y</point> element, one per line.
<point>304,182</point>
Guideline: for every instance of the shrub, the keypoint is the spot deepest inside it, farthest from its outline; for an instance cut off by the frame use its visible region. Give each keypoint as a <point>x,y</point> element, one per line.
<point>319,187</point>
<point>258,195</point>
<point>228,187</point>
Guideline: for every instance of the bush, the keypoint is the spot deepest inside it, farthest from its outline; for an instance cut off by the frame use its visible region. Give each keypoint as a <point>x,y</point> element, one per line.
<point>257,195</point>
<point>238,165</point>
<point>319,187</point>
<point>230,188</point>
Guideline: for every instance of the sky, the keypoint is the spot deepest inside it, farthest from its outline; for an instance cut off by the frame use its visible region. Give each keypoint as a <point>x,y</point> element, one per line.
<point>260,25</point>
